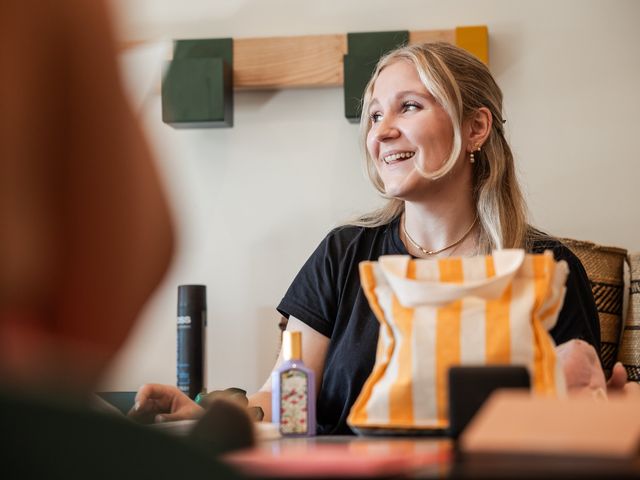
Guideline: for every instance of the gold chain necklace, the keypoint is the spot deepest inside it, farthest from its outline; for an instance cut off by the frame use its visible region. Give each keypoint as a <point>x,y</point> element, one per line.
<point>434,252</point>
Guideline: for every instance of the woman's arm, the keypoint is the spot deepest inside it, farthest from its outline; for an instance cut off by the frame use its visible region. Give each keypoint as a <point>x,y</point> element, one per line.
<point>314,353</point>
<point>162,403</point>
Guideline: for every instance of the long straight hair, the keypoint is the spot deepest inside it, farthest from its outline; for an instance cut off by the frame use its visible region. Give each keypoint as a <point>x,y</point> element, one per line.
<point>461,84</point>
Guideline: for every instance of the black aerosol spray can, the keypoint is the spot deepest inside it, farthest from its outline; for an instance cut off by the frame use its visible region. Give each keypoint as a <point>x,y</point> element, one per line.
<point>192,322</point>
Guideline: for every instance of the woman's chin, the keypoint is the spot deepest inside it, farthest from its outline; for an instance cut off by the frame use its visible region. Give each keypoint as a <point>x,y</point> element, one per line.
<point>405,188</point>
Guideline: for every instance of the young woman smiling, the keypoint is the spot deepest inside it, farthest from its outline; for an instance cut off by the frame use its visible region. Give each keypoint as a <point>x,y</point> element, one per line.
<point>433,132</point>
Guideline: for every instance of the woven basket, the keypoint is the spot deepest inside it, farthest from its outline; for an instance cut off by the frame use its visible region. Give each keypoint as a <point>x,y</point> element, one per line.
<point>629,353</point>
<point>605,269</point>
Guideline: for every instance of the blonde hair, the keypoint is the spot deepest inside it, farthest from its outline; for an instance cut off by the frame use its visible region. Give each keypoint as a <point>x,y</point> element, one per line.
<point>461,84</point>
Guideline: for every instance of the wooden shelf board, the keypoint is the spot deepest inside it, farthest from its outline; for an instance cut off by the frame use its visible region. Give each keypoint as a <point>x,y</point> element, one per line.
<point>316,60</point>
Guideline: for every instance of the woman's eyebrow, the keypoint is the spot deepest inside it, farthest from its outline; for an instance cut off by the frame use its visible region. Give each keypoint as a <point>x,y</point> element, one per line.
<point>404,93</point>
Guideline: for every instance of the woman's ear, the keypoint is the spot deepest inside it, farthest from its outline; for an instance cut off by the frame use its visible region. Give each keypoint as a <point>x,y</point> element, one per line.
<point>479,128</point>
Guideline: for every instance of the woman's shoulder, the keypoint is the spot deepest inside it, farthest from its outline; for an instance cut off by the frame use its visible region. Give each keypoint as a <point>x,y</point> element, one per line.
<point>360,238</point>
<point>350,232</point>
<point>539,242</point>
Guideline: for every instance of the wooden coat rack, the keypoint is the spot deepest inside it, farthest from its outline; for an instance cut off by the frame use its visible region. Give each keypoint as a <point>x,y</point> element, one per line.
<point>197,88</point>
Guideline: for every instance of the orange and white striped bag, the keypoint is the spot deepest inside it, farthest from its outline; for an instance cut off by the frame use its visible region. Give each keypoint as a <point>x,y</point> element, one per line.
<point>435,313</point>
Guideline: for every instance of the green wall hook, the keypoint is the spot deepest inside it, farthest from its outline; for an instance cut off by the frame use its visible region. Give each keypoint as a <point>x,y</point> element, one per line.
<point>364,51</point>
<point>197,85</point>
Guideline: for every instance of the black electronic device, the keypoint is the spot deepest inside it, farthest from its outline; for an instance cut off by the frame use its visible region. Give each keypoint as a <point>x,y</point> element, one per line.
<point>470,386</point>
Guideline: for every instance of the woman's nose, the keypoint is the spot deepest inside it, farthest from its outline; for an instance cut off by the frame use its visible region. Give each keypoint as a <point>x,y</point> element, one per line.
<point>386,129</point>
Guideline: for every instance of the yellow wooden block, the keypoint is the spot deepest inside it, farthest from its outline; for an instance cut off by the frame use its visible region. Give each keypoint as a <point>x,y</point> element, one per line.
<point>474,40</point>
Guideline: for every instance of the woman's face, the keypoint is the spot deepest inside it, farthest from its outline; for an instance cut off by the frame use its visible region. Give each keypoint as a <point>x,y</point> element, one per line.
<point>407,126</point>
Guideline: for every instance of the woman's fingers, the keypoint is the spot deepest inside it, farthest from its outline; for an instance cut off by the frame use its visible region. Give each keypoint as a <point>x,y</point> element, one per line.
<point>153,399</point>
<point>618,378</point>
<point>156,395</point>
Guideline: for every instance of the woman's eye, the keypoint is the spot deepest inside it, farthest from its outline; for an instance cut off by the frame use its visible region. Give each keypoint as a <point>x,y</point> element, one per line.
<point>410,106</point>
<point>375,117</point>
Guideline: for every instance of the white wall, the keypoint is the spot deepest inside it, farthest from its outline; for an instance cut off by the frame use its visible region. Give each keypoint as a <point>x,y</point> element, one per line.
<point>252,202</point>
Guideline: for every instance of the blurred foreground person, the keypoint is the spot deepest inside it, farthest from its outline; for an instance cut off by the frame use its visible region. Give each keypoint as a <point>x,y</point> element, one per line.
<point>85,238</point>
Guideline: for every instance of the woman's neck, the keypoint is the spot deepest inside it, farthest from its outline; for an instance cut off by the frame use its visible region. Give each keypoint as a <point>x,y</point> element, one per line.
<point>438,224</point>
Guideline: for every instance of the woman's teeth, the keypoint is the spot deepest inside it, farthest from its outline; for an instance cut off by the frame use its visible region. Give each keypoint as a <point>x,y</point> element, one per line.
<point>397,156</point>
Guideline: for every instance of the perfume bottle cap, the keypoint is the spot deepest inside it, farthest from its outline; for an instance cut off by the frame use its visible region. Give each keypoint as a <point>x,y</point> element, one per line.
<point>292,345</point>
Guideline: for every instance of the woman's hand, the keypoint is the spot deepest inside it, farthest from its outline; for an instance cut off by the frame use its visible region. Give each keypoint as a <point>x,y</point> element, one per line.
<point>584,374</point>
<point>581,366</point>
<point>157,403</point>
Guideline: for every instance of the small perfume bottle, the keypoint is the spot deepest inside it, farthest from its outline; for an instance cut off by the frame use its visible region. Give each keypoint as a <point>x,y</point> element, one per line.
<point>293,398</point>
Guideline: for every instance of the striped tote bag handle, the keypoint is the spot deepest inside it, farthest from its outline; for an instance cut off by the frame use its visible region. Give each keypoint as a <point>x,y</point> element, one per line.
<point>429,290</point>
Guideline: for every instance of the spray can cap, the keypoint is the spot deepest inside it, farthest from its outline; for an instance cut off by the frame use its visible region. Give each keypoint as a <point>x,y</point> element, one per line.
<point>193,296</point>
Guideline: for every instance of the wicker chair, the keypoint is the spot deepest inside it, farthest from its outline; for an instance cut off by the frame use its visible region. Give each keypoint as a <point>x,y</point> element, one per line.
<point>605,268</point>
<point>629,353</point>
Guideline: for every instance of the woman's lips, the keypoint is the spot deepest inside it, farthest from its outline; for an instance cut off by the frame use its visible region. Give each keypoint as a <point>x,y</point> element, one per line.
<point>392,157</point>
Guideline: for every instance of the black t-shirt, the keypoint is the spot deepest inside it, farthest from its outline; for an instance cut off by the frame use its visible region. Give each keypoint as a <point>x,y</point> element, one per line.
<point>326,295</point>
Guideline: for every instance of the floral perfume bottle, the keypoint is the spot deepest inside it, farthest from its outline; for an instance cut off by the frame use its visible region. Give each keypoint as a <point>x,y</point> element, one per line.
<point>293,398</point>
